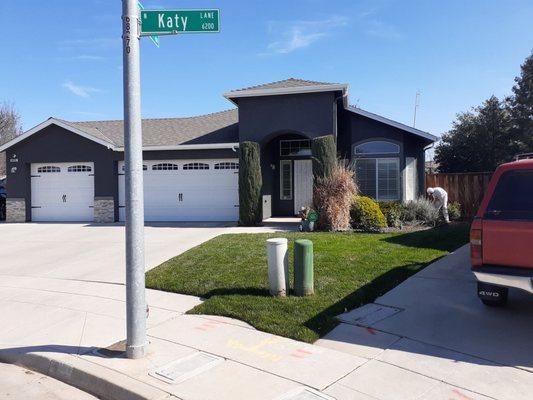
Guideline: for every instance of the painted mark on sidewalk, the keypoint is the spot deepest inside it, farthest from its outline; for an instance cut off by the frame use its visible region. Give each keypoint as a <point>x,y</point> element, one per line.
<point>207,326</point>
<point>257,349</point>
<point>301,353</point>
<point>461,396</point>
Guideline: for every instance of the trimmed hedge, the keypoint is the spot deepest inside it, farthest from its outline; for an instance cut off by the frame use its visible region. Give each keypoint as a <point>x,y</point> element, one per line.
<point>250,184</point>
<point>366,214</point>
<point>324,152</point>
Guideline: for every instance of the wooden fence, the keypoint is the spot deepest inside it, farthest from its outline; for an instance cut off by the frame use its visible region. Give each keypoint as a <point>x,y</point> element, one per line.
<point>465,188</point>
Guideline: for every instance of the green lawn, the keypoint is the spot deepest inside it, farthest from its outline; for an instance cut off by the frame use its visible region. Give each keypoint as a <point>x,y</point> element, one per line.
<point>351,269</point>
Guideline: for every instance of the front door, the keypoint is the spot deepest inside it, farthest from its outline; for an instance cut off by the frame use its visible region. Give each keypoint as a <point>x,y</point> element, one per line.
<point>303,184</point>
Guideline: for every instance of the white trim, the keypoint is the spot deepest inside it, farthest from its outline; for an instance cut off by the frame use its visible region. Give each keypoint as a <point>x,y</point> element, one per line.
<point>285,90</point>
<point>53,121</point>
<point>281,196</point>
<point>64,125</point>
<point>355,146</point>
<point>187,147</point>
<point>390,122</point>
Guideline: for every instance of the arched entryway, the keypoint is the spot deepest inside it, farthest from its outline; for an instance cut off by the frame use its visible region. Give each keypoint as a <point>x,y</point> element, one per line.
<point>287,173</point>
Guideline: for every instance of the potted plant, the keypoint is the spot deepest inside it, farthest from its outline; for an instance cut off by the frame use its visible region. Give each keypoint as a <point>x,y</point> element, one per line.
<point>308,217</point>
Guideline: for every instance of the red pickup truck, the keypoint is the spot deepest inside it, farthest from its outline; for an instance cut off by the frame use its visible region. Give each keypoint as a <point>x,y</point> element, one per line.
<point>501,236</point>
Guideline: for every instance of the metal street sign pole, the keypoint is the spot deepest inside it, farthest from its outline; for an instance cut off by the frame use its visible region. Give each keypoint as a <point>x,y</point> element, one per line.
<point>135,286</point>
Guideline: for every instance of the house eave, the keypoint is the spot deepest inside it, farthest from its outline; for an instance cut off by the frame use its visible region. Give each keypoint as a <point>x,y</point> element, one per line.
<point>284,91</point>
<point>54,121</point>
<point>209,146</point>
<point>390,122</point>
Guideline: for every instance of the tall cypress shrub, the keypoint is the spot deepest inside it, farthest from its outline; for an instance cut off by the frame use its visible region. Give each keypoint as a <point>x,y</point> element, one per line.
<point>324,152</point>
<point>250,184</point>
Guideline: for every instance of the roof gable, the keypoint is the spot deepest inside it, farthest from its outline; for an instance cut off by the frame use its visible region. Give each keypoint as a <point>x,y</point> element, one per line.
<point>390,122</point>
<point>286,86</point>
<point>211,130</point>
<point>92,135</point>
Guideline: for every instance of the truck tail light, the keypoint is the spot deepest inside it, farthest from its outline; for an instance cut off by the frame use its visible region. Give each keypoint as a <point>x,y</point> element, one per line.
<point>476,247</point>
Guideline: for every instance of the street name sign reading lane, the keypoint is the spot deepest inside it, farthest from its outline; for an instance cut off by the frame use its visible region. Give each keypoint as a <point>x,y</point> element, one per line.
<point>169,22</point>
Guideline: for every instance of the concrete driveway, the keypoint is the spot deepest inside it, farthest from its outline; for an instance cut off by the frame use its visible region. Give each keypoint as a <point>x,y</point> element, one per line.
<point>92,252</point>
<point>61,296</point>
<point>432,327</point>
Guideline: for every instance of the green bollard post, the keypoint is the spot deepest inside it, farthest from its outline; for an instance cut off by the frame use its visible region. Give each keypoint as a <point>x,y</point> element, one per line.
<point>303,268</point>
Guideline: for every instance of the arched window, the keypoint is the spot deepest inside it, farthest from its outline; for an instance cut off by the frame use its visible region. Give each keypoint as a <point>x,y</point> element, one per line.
<point>376,147</point>
<point>227,165</point>
<point>48,168</point>
<point>195,165</point>
<point>164,167</point>
<point>79,168</point>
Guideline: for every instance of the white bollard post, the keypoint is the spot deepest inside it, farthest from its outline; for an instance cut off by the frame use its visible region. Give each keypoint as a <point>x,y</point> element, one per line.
<point>278,266</point>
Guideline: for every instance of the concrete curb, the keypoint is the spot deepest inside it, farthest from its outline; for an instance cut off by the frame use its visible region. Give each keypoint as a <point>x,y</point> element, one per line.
<point>92,378</point>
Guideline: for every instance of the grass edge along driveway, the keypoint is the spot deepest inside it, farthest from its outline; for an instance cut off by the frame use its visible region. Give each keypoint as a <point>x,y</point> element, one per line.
<point>351,269</point>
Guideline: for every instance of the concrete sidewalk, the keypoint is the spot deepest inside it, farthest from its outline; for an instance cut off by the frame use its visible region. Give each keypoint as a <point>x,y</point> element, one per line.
<point>59,328</point>
<point>417,342</point>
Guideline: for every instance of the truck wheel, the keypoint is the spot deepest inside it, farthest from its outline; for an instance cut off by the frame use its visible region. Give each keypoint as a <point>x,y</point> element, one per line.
<point>492,295</point>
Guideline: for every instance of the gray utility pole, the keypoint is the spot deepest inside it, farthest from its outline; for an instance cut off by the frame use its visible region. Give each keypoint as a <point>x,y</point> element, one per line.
<point>417,104</point>
<point>135,290</point>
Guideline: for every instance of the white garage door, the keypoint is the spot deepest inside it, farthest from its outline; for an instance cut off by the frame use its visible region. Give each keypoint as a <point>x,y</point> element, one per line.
<point>62,191</point>
<point>187,190</point>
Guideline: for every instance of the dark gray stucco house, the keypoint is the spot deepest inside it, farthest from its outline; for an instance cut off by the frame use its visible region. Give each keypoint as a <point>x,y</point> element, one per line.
<point>73,171</point>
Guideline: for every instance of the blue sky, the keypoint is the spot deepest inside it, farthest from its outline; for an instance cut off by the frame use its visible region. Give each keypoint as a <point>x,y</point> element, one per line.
<point>63,58</point>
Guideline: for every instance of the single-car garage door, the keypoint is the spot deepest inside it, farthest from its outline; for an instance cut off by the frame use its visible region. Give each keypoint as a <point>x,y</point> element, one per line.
<point>187,190</point>
<point>62,191</point>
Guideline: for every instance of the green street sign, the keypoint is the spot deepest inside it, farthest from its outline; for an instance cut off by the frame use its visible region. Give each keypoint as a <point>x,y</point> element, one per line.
<point>168,22</point>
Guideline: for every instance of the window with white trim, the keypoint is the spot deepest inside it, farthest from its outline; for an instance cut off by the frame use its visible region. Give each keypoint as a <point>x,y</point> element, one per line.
<point>195,165</point>
<point>376,147</point>
<point>227,165</point>
<point>79,168</point>
<point>47,169</point>
<point>295,147</point>
<point>164,167</point>
<point>285,177</point>
<point>377,169</point>
<point>378,178</point>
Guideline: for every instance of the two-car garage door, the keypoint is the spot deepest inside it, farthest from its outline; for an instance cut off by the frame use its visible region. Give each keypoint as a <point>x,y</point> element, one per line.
<point>187,190</point>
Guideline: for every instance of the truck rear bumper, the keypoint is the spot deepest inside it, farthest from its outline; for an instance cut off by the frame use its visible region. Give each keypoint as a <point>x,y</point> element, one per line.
<point>519,278</point>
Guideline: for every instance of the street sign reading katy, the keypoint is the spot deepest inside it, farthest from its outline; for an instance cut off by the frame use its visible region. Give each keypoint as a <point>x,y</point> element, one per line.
<point>168,22</point>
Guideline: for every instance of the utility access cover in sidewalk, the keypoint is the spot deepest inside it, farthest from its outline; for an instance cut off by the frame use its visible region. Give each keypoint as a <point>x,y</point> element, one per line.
<point>186,367</point>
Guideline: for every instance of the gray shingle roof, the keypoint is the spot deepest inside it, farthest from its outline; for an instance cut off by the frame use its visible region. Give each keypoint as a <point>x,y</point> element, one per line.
<point>219,127</point>
<point>286,83</point>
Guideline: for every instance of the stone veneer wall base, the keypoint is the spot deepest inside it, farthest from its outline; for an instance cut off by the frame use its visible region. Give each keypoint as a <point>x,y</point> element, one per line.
<point>15,210</point>
<point>104,210</point>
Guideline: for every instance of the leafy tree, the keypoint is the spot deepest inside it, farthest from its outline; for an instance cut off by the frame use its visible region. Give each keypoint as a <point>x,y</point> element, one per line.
<point>324,153</point>
<point>522,106</point>
<point>250,184</point>
<point>479,140</point>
